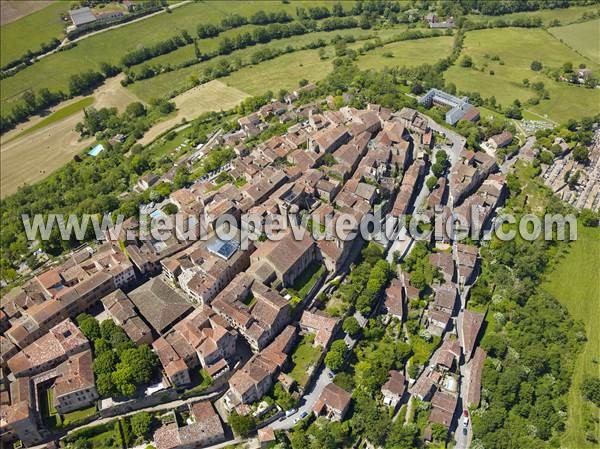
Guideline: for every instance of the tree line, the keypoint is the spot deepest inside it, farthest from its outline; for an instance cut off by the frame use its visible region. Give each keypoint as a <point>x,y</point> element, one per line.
<point>32,102</point>
<point>205,30</point>
<point>167,46</point>
<point>26,58</point>
<point>227,45</point>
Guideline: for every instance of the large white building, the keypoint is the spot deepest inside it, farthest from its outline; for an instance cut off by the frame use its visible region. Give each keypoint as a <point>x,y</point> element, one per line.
<point>459,106</point>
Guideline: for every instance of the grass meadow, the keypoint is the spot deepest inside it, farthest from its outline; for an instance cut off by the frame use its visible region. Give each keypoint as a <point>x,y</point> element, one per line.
<point>304,357</point>
<point>31,31</point>
<point>516,48</point>
<point>54,71</point>
<point>575,281</point>
<point>410,53</point>
<point>170,81</point>
<point>563,15</point>
<point>583,37</point>
<point>285,71</point>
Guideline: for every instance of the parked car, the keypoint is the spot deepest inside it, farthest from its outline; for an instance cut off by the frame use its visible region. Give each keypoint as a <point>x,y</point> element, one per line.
<point>466,422</point>
<point>290,412</point>
<point>304,414</point>
<point>465,412</point>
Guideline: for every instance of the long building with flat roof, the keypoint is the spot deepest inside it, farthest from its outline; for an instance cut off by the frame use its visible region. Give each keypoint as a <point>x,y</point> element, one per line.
<point>458,106</point>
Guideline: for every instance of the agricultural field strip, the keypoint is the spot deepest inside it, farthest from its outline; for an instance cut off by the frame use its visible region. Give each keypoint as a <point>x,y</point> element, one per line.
<point>285,71</point>
<point>55,70</point>
<point>172,82</point>
<point>516,49</point>
<point>16,37</point>
<point>584,38</point>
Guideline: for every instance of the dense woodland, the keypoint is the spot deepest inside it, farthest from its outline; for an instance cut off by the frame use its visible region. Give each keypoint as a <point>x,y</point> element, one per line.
<point>530,339</point>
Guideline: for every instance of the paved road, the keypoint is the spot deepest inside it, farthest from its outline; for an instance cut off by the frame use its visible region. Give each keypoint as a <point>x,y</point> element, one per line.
<point>463,440</point>
<point>508,164</point>
<point>458,141</point>
<point>309,400</point>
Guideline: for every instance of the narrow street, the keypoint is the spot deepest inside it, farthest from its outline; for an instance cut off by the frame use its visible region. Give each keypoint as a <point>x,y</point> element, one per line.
<point>308,401</point>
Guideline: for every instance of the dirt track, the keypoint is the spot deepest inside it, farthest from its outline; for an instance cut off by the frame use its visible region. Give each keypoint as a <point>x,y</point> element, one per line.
<point>34,156</point>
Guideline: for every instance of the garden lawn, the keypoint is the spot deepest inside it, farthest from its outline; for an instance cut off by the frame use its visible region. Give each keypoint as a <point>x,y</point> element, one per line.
<point>422,349</point>
<point>78,415</point>
<point>47,409</point>
<point>103,436</point>
<point>583,37</point>
<point>54,71</point>
<point>488,113</point>
<point>205,381</point>
<point>304,356</point>
<point>309,277</point>
<point>31,31</point>
<point>574,280</point>
<point>517,48</point>
<point>408,53</point>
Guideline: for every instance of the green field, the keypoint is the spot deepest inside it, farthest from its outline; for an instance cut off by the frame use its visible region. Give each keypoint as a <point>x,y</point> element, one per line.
<point>564,15</point>
<point>209,45</point>
<point>165,83</point>
<point>187,52</point>
<point>575,281</point>
<point>78,415</point>
<point>516,49</point>
<point>58,115</point>
<point>409,53</point>
<point>54,71</point>
<point>283,72</point>
<point>31,31</point>
<point>582,37</point>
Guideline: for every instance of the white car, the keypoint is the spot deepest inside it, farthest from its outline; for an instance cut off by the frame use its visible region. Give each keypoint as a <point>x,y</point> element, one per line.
<point>290,412</point>
<point>466,422</point>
